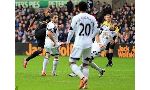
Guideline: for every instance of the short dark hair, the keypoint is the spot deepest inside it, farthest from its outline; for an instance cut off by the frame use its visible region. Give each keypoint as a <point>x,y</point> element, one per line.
<point>82,6</point>
<point>107,15</point>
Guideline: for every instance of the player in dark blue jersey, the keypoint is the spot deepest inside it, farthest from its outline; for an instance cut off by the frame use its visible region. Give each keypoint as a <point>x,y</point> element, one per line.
<point>40,34</point>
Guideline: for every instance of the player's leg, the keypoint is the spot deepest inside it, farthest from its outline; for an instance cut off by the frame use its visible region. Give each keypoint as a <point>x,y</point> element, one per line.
<point>86,74</point>
<point>111,51</point>
<point>110,54</point>
<point>95,53</point>
<point>45,62</point>
<point>36,53</point>
<point>95,50</point>
<point>86,55</point>
<point>74,56</point>
<point>73,74</point>
<point>98,68</point>
<point>55,53</point>
<point>55,63</point>
<point>94,66</point>
<point>107,52</point>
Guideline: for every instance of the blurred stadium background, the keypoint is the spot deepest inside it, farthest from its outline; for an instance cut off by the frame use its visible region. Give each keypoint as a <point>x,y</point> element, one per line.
<point>122,11</point>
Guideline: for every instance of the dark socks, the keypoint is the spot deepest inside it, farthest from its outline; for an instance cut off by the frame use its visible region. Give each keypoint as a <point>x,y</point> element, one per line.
<point>109,57</point>
<point>36,53</point>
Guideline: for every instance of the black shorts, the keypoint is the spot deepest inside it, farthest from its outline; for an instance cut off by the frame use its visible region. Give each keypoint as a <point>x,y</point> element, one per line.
<point>111,46</point>
<point>40,37</point>
<point>41,42</point>
<point>40,33</point>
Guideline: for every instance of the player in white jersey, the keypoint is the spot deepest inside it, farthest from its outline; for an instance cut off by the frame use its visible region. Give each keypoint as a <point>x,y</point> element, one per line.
<point>103,37</point>
<point>85,27</point>
<point>51,44</point>
<point>108,22</point>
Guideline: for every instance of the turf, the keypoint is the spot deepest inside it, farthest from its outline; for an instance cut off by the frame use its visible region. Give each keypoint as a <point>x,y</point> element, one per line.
<point>119,77</point>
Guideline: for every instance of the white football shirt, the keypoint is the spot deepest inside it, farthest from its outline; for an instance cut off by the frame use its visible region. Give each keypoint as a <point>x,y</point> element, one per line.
<point>106,35</point>
<point>53,28</point>
<point>83,25</point>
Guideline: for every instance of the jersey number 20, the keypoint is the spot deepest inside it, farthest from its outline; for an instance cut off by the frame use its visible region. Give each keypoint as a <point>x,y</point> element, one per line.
<point>85,30</point>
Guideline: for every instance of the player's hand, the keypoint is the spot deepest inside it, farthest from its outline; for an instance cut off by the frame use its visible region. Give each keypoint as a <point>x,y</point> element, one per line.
<point>67,43</point>
<point>116,41</point>
<point>61,43</point>
<point>112,42</point>
<point>100,45</point>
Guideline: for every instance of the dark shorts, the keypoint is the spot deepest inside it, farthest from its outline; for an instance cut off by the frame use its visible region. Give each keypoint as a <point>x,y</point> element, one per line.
<point>111,46</point>
<point>41,42</point>
<point>40,33</point>
<point>40,37</point>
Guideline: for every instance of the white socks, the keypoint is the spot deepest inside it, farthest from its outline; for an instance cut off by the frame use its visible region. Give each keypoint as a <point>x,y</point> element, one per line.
<point>77,70</point>
<point>55,62</point>
<point>86,71</point>
<point>45,62</point>
<point>93,65</point>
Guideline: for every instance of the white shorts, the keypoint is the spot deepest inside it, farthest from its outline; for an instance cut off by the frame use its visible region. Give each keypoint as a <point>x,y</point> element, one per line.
<point>77,52</point>
<point>53,51</point>
<point>97,48</point>
<point>104,41</point>
<point>49,47</point>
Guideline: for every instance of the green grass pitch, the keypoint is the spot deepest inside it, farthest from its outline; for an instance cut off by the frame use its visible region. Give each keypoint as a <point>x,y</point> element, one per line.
<point>119,77</point>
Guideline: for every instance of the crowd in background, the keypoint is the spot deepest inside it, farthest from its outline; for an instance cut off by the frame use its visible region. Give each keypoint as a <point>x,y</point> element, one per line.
<point>125,17</point>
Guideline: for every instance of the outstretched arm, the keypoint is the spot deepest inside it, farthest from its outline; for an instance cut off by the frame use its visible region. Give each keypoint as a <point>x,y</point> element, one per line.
<point>70,35</point>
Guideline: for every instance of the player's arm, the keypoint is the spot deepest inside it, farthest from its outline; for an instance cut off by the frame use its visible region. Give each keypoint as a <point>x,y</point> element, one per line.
<point>114,29</point>
<point>117,31</point>
<point>117,37</point>
<point>50,35</point>
<point>95,33</point>
<point>70,35</point>
<point>31,24</point>
<point>97,39</point>
<point>96,29</point>
<point>72,30</point>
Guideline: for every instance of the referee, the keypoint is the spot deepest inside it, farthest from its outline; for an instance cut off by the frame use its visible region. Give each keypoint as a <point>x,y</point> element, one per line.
<point>110,46</point>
